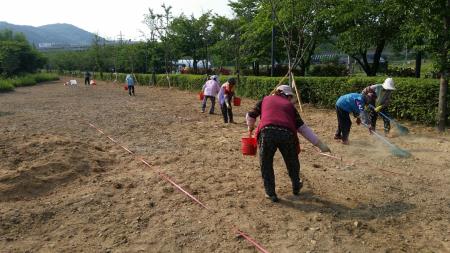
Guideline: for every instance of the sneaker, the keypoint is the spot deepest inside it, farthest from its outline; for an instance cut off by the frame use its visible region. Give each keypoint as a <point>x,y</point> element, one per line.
<point>203,111</point>
<point>211,112</point>
<point>337,137</point>
<point>345,142</point>
<point>296,191</point>
<point>274,198</point>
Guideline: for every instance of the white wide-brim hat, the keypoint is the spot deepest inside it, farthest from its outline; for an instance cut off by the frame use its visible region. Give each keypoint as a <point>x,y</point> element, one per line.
<point>389,84</point>
<point>286,89</point>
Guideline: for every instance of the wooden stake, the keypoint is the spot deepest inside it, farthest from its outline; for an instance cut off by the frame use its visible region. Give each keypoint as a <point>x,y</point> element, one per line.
<point>296,92</point>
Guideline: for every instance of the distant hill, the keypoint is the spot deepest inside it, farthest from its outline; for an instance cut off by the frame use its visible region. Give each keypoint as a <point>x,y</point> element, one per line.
<point>51,34</point>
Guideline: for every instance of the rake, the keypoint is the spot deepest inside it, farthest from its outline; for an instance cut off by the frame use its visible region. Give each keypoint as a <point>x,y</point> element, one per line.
<point>401,129</point>
<point>394,149</point>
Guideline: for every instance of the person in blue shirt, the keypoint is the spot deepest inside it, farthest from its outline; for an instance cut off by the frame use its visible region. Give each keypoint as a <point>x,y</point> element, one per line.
<point>352,102</point>
<point>130,81</point>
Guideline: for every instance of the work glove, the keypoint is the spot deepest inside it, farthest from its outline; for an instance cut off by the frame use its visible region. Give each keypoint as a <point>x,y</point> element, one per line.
<point>323,147</point>
<point>228,105</point>
<point>378,108</point>
<point>358,121</point>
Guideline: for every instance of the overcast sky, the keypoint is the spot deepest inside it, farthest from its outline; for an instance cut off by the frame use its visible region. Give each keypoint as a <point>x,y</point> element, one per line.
<point>107,18</point>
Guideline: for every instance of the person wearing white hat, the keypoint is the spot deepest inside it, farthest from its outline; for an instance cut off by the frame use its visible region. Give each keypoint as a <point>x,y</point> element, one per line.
<point>210,90</point>
<point>383,94</point>
<point>277,129</point>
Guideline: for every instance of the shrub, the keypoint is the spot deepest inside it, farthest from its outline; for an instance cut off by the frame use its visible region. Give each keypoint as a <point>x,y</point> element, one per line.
<point>329,69</point>
<point>414,99</point>
<point>401,72</point>
<point>6,85</point>
<point>24,81</point>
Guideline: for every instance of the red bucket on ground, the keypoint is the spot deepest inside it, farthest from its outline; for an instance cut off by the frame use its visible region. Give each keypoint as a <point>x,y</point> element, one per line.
<point>236,101</point>
<point>201,95</point>
<point>125,87</point>
<point>248,145</point>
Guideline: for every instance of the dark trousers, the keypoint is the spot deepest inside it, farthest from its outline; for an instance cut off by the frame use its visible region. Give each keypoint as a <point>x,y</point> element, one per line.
<point>374,116</point>
<point>87,80</point>
<point>213,103</point>
<point>269,140</point>
<point>227,113</point>
<point>131,89</point>
<point>344,124</point>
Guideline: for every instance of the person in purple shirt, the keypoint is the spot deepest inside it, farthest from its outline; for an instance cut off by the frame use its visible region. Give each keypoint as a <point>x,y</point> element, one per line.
<point>277,129</point>
<point>210,90</point>
<point>351,103</point>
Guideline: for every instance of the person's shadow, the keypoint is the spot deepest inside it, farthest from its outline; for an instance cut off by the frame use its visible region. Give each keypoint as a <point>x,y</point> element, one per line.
<point>308,202</point>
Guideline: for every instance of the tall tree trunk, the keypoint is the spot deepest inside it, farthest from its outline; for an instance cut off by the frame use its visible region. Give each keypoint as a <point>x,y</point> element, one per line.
<point>377,56</point>
<point>442,109</point>
<point>194,63</point>
<point>418,63</point>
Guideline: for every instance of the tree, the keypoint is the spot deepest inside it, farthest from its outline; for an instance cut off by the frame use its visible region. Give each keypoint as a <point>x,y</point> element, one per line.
<point>301,28</point>
<point>159,25</point>
<point>226,48</point>
<point>435,30</point>
<point>191,36</point>
<point>363,25</point>
<point>17,56</point>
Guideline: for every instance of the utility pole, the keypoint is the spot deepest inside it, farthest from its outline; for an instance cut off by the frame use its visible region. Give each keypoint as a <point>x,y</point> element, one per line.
<point>272,51</point>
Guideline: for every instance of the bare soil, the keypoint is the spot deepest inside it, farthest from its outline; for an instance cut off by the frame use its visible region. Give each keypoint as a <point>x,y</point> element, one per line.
<point>65,187</point>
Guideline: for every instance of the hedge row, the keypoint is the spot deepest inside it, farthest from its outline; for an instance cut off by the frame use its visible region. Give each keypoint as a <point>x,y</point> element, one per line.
<point>414,99</point>
<point>27,80</point>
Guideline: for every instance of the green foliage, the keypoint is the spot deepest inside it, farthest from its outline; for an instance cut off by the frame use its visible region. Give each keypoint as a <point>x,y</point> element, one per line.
<point>414,99</point>
<point>6,85</point>
<point>26,80</point>
<point>17,56</point>
<point>364,25</point>
<point>401,72</point>
<point>329,69</point>
<point>23,81</point>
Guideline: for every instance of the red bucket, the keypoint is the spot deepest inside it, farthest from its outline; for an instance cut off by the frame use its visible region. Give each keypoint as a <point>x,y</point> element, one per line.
<point>236,101</point>
<point>201,95</point>
<point>125,87</point>
<point>248,145</point>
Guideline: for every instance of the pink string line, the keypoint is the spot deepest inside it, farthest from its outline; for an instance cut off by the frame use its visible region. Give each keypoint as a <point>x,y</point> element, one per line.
<point>168,179</point>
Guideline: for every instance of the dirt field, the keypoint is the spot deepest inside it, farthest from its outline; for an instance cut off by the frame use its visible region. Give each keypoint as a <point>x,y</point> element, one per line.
<point>64,187</point>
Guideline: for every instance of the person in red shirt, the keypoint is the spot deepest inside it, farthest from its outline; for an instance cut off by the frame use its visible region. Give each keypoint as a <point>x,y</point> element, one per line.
<point>226,94</point>
<point>277,129</point>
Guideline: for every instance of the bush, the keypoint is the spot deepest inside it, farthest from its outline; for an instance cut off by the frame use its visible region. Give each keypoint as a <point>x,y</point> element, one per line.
<point>329,69</point>
<point>28,80</point>
<point>6,85</point>
<point>401,72</point>
<point>24,81</point>
<point>414,99</point>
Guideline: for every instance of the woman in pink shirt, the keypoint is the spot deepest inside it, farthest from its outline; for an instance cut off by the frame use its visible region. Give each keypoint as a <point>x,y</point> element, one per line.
<point>210,90</point>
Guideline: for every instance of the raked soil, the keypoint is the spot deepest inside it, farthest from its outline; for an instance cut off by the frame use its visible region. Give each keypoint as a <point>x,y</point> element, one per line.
<point>65,187</point>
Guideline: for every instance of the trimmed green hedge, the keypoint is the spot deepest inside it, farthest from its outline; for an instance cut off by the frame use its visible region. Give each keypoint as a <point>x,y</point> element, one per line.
<point>27,80</point>
<point>414,99</point>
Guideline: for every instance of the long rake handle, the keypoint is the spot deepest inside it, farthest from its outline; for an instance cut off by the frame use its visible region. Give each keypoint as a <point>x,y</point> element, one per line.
<point>381,137</point>
<point>382,114</point>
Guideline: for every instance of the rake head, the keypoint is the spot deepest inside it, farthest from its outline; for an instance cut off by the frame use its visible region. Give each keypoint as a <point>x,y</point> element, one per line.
<point>400,152</point>
<point>402,130</point>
